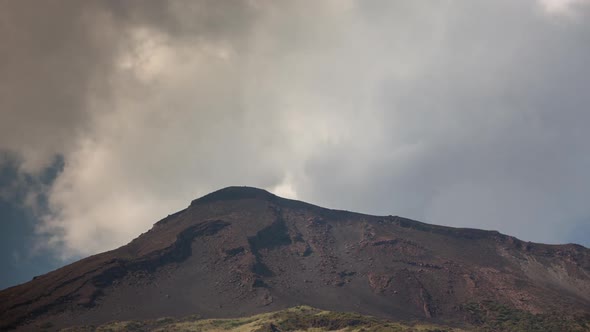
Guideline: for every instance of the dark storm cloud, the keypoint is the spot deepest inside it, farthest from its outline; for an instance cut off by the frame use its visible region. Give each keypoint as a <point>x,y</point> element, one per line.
<point>58,56</point>
<point>462,113</point>
<point>99,82</point>
<point>48,61</point>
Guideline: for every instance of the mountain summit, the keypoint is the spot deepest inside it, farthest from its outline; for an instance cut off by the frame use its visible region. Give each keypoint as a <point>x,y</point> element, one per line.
<point>242,251</point>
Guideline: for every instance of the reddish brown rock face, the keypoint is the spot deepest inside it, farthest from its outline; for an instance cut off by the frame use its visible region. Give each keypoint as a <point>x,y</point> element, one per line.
<point>243,250</point>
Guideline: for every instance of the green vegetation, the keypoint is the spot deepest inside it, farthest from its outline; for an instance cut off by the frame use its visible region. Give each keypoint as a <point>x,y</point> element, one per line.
<point>492,316</point>
<point>484,317</point>
<point>301,319</point>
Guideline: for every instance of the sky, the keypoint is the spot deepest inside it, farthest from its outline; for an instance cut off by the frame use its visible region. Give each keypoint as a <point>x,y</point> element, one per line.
<point>114,114</point>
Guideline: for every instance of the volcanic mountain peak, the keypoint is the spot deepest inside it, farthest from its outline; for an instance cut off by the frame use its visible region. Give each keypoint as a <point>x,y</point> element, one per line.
<point>234,193</point>
<point>241,251</point>
<point>238,193</point>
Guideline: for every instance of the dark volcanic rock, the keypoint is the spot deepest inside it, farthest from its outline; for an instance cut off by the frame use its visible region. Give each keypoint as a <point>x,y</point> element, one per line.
<point>243,250</point>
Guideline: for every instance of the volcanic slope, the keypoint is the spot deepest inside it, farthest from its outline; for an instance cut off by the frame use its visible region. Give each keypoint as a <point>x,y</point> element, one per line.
<point>241,251</point>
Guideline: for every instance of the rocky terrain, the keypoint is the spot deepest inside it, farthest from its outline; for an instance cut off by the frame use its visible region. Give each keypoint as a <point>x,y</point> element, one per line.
<point>242,251</point>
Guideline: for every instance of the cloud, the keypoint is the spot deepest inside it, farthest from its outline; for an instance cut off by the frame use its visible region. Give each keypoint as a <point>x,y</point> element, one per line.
<point>562,7</point>
<point>466,114</point>
<point>487,133</point>
<point>51,60</point>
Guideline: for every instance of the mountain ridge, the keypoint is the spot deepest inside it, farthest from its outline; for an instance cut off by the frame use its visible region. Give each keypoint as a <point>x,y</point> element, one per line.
<point>246,192</point>
<point>245,250</point>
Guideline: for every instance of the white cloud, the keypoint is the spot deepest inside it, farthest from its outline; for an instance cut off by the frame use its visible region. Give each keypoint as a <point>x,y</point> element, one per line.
<point>467,114</point>
<point>561,7</point>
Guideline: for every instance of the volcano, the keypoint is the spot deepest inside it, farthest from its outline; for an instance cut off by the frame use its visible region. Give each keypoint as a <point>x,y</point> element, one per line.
<point>242,251</point>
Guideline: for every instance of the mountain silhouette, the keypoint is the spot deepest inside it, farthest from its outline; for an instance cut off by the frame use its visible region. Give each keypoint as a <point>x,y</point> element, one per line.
<point>243,251</point>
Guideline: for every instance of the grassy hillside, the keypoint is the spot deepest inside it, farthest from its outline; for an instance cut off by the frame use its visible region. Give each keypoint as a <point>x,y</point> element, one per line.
<point>300,318</point>
<point>484,317</point>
